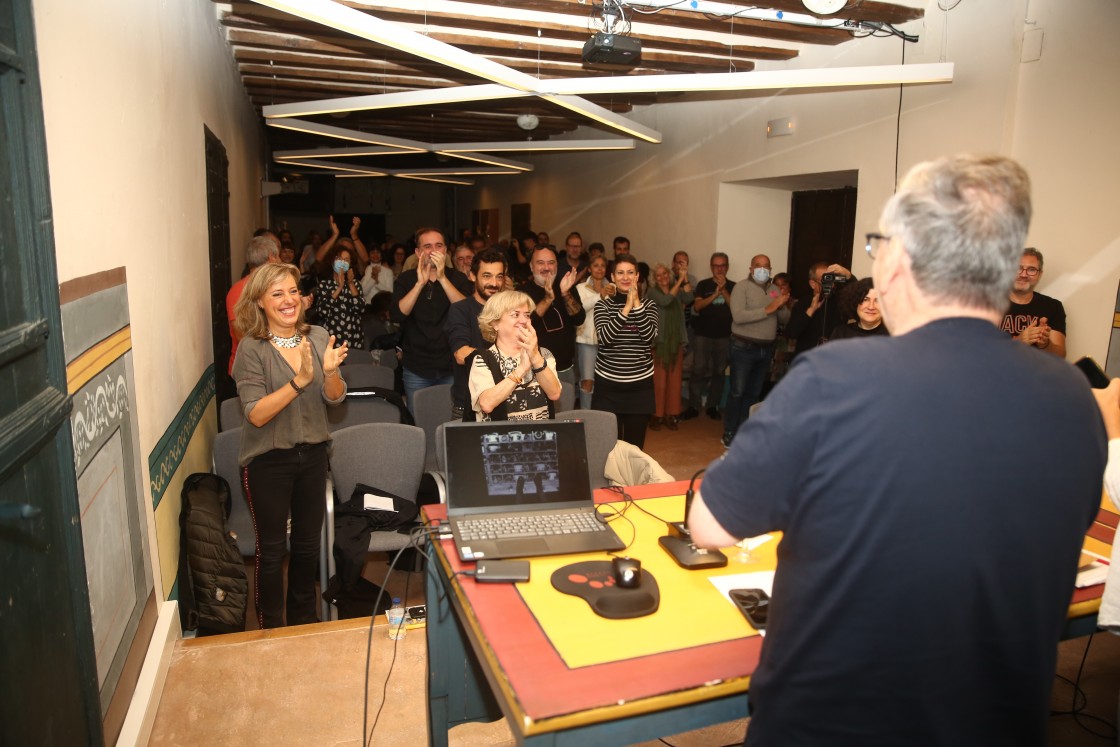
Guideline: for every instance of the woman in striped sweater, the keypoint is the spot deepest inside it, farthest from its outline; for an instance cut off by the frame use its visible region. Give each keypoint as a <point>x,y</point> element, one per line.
<point>626,327</point>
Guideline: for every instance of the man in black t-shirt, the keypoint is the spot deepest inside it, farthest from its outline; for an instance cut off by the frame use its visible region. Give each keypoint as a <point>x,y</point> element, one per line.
<point>488,273</point>
<point>558,311</point>
<point>711,328</point>
<point>421,298</point>
<point>1033,318</point>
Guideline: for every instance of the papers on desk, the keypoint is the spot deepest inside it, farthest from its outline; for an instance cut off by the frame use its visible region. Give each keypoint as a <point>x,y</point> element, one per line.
<point>1091,570</point>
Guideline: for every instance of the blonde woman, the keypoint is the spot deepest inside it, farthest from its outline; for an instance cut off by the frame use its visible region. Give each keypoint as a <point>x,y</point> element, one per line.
<point>287,374</point>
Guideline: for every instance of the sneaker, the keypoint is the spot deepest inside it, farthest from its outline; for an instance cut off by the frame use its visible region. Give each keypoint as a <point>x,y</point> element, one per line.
<point>726,440</point>
<point>714,414</point>
<point>689,414</point>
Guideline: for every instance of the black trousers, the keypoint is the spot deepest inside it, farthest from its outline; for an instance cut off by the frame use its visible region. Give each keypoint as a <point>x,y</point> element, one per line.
<point>278,483</point>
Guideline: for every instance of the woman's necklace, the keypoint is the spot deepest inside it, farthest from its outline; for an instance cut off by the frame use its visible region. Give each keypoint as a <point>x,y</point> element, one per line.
<point>285,342</point>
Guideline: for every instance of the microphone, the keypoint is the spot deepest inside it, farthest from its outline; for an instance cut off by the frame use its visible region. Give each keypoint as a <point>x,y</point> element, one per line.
<point>678,543</point>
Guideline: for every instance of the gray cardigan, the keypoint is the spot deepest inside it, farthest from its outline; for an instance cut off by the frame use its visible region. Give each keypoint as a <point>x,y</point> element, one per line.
<point>259,370</point>
<point>748,311</point>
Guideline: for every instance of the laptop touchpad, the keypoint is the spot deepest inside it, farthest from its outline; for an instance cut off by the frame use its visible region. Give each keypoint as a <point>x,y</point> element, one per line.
<point>515,547</point>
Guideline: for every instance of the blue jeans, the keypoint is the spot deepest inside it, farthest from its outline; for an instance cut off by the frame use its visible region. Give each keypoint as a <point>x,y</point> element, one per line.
<point>414,382</point>
<point>750,367</point>
<point>585,353</point>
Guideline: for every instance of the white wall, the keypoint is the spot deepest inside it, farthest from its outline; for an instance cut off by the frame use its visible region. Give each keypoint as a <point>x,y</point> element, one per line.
<point>127,87</point>
<point>674,195</point>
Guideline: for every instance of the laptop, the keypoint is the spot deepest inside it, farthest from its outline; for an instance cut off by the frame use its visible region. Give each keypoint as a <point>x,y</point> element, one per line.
<point>505,478</point>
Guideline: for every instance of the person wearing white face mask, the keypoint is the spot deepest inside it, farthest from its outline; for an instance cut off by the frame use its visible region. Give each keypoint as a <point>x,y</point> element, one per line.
<point>757,305</point>
<point>338,297</point>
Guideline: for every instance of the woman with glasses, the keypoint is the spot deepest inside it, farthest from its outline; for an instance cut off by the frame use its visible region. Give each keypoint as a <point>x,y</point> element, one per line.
<point>515,378</point>
<point>860,307</point>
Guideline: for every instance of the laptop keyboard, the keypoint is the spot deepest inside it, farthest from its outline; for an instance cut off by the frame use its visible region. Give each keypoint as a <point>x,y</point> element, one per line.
<point>537,525</point>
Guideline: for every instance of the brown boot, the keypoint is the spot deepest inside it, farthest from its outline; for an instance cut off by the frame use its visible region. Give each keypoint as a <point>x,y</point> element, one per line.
<point>671,421</point>
<point>655,423</point>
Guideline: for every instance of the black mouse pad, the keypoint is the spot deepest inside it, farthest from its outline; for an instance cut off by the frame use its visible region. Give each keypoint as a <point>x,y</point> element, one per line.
<point>593,581</point>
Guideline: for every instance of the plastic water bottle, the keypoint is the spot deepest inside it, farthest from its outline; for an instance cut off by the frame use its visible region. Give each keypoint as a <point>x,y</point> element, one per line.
<point>395,615</point>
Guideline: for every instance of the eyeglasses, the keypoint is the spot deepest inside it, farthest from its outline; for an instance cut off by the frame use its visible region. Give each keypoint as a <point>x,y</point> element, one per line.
<point>1028,271</point>
<point>872,243</point>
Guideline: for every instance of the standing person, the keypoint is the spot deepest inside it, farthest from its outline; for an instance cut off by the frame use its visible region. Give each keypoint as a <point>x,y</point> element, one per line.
<point>711,327</point>
<point>757,307</point>
<point>668,350</point>
<point>626,327</point>
<point>421,298</point>
<point>558,311</point>
<point>573,257</point>
<point>262,250</point>
<point>287,374</point>
<point>338,296</point>
<point>926,566</point>
<point>378,277</point>
<point>514,378</point>
<point>587,343</point>
<point>399,254</point>
<point>1033,318</point>
<point>488,273</point>
<point>813,318</point>
<point>861,311</point>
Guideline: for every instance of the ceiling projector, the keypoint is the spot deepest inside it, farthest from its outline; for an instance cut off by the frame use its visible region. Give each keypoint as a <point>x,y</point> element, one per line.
<point>612,49</point>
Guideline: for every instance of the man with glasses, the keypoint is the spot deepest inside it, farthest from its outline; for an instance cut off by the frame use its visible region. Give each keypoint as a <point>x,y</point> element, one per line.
<point>573,258</point>
<point>934,488</point>
<point>711,327</point>
<point>421,299</point>
<point>1033,318</point>
<point>558,310</point>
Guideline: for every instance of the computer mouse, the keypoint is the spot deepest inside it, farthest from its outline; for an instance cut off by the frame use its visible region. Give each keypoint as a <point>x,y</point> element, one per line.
<point>627,572</point>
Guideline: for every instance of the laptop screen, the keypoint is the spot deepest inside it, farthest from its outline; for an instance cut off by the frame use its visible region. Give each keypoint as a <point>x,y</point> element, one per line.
<point>499,466</point>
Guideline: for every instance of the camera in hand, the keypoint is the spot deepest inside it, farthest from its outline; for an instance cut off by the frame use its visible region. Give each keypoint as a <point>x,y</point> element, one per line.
<point>829,281</point>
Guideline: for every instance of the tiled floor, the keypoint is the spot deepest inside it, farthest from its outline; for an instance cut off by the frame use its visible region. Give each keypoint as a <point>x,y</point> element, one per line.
<point>304,686</point>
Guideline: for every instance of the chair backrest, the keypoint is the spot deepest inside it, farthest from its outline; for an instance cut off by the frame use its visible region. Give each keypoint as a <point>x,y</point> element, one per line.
<point>359,411</point>
<point>368,375</point>
<point>441,452</point>
<point>431,407</point>
<point>226,447</point>
<point>601,432</point>
<point>567,397</point>
<point>389,456</point>
<point>385,358</point>
<point>358,357</point>
<point>230,414</point>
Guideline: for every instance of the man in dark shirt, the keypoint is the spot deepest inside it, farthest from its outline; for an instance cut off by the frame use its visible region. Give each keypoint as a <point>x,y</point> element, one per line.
<point>810,316</point>
<point>927,561</point>
<point>421,298</point>
<point>558,311</point>
<point>488,273</point>
<point>711,327</point>
<point>572,258</point>
<point>1033,318</point>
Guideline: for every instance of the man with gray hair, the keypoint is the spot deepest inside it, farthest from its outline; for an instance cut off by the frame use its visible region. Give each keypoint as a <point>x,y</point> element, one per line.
<point>928,555</point>
<point>263,249</point>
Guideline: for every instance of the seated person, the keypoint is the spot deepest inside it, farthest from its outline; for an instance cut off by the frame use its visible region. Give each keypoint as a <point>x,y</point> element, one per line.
<point>513,379</point>
<point>859,304</point>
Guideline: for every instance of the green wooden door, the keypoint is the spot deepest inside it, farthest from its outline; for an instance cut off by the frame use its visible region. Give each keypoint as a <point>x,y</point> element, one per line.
<point>48,676</point>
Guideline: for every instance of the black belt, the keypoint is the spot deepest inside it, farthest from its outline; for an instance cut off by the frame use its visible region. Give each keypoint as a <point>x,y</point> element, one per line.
<point>753,343</point>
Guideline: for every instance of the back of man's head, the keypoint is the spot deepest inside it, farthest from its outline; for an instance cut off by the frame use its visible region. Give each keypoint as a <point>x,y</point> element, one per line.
<point>963,221</point>
<point>261,249</point>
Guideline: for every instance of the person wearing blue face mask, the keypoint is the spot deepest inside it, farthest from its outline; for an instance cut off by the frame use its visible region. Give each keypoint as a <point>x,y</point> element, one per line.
<point>338,297</point>
<point>757,306</point>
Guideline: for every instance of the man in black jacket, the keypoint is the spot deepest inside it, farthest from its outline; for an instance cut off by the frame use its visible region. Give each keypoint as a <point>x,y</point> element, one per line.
<point>809,317</point>
<point>558,311</point>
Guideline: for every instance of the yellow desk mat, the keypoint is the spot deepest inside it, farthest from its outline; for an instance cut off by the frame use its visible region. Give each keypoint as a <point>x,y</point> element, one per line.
<point>692,611</point>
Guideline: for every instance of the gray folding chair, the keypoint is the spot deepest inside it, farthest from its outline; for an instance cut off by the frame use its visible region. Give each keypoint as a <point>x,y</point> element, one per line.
<point>385,358</point>
<point>230,414</point>
<point>431,407</point>
<point>358,357</point>
<point>360,410</point>
<point>226,447</point>
<point>368,375</point>
<point>389,456</point>
<point>601,431</point>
